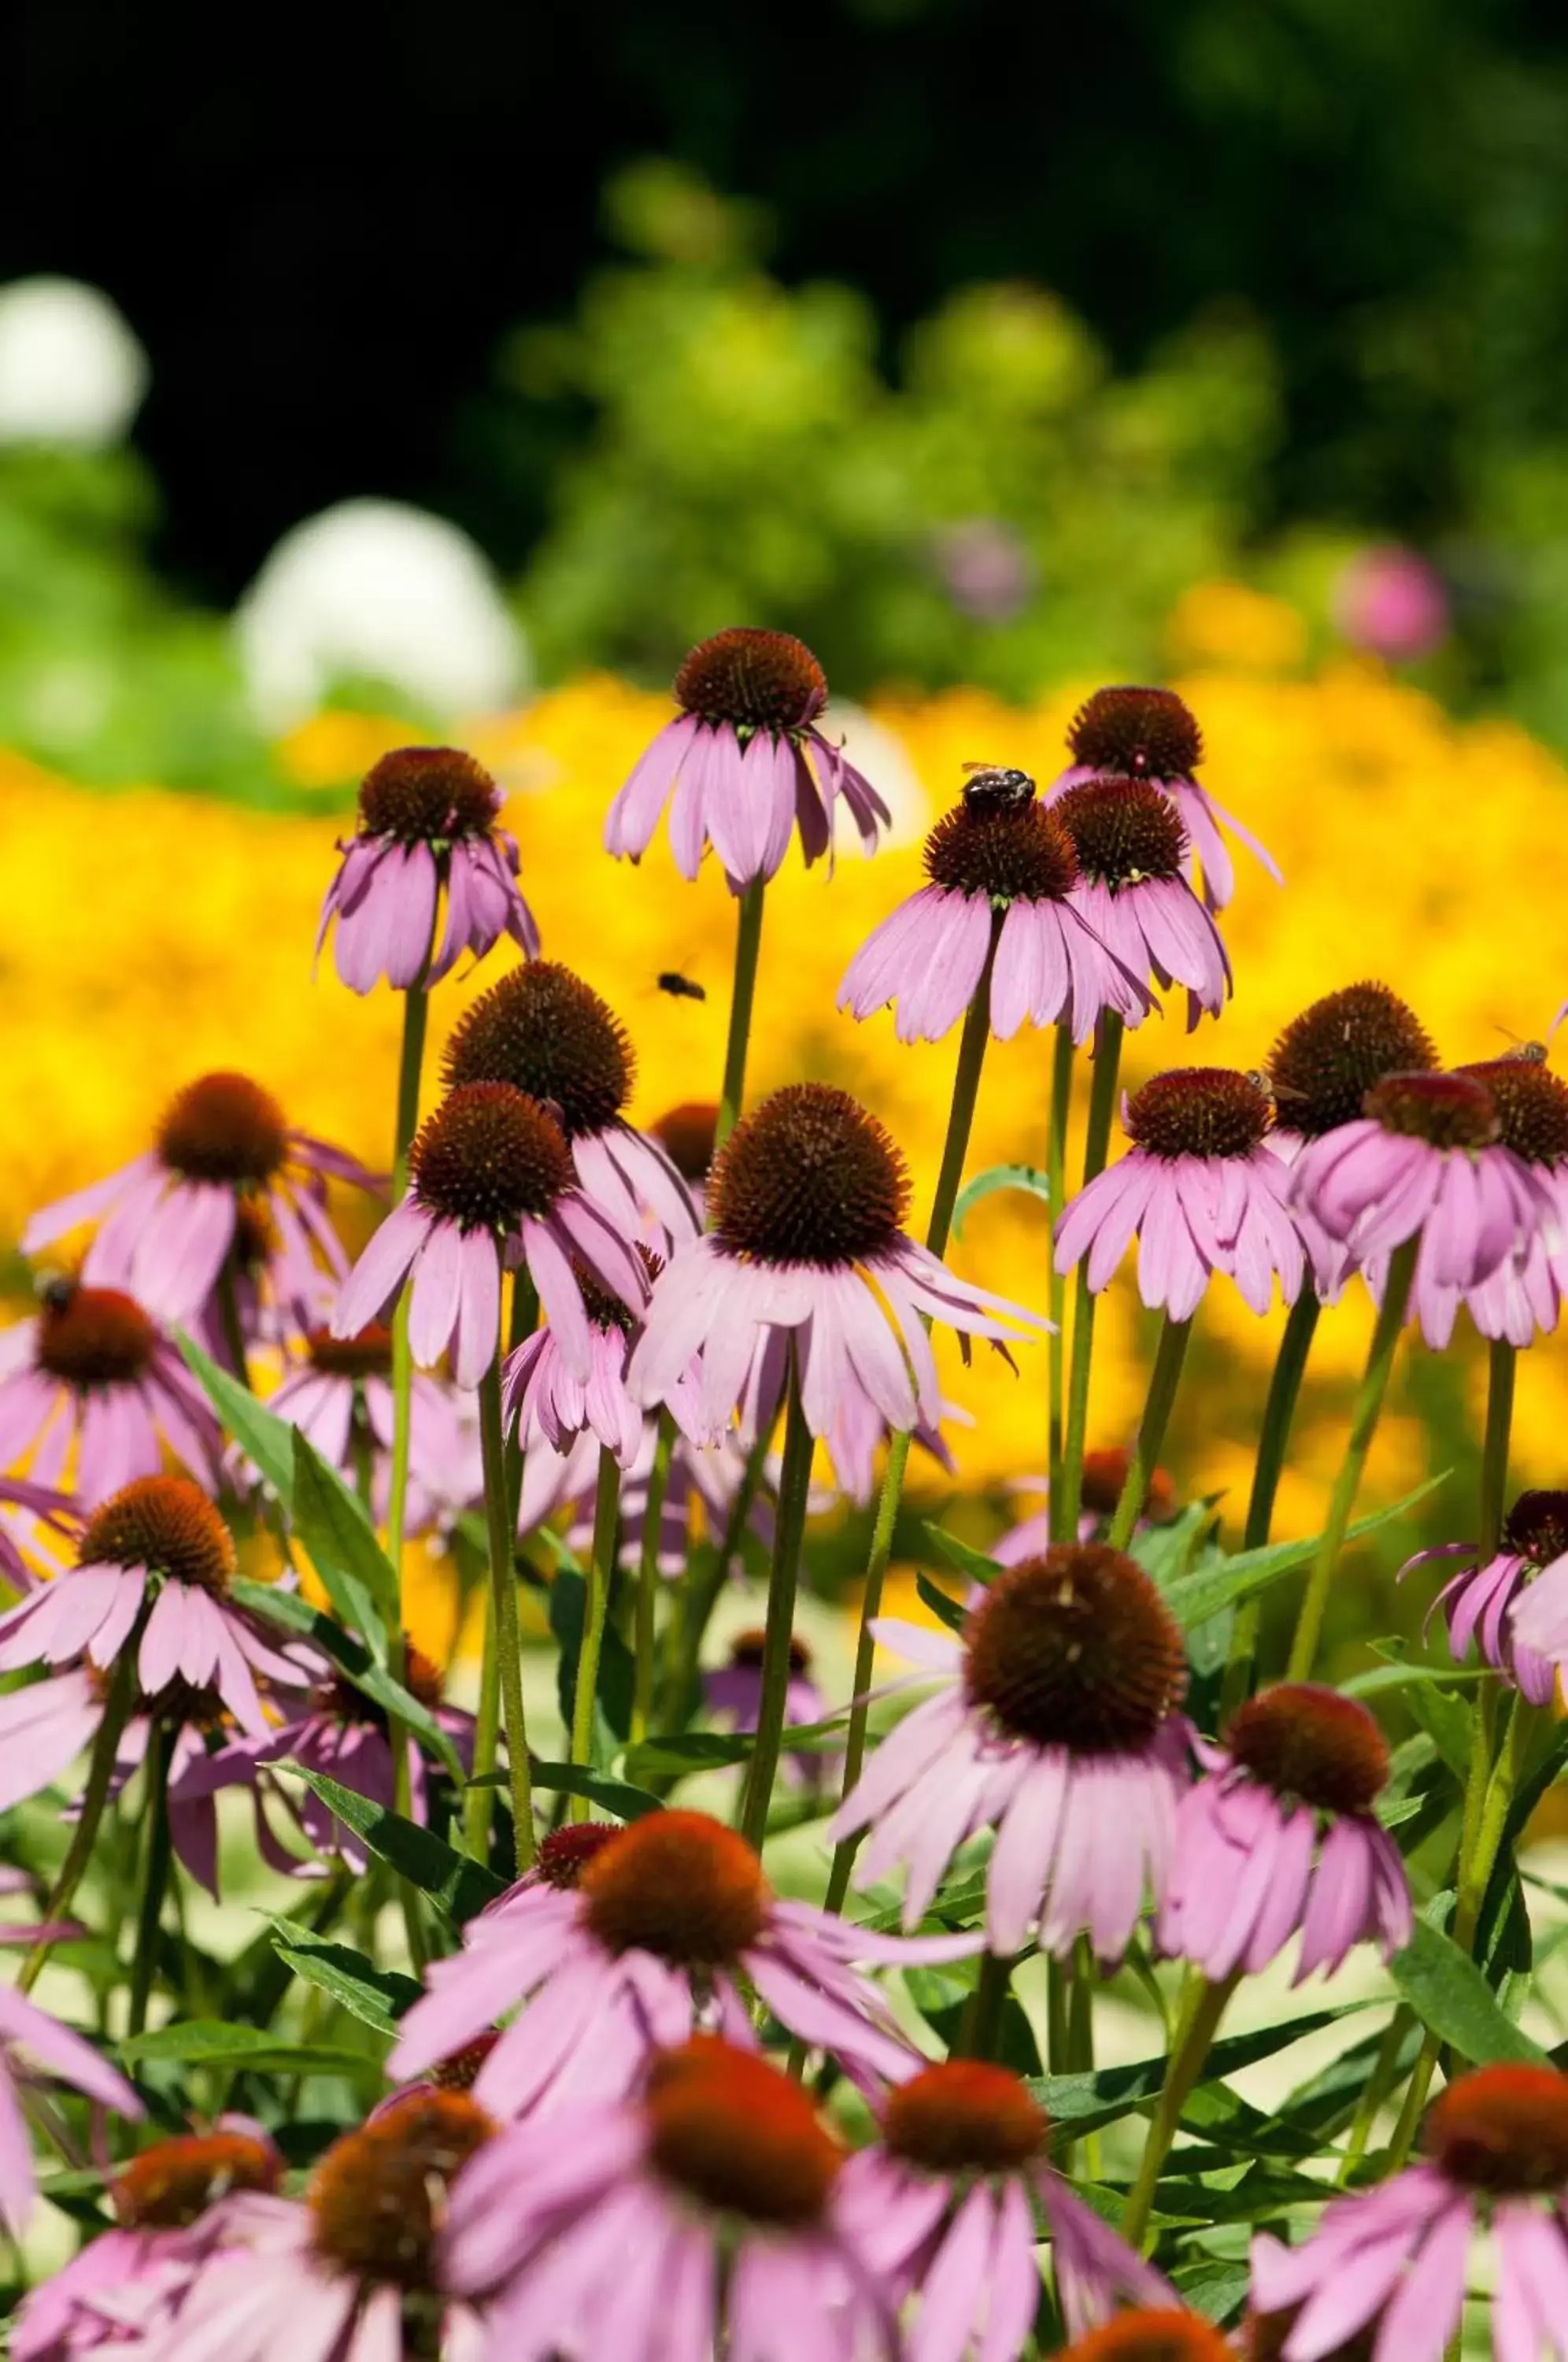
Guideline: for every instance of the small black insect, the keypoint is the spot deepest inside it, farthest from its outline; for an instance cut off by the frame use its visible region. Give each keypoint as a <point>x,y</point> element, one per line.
<point>993,788</point>
<point>678,987</point>
<point>57,1292</point>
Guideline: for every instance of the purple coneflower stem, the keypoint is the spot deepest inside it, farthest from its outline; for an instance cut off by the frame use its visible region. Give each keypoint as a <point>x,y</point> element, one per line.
<point>748,948</point>
<point>595,1610</point>
<point>960,1122</point>
<point>1347,1483</point>
<point>794,1488</point>
<point>979,2032</point>
<point>1066,1499</point>
<point>416,1013</point>
<point>100,1775</point>
<point>1056,1283</point>
<point>522,1319</point>
<point>1204,2007</point>
<point>508,1641</point>
<point>155,1864</point>
<point>648,1580</point>
<point>1280,1412</point>
<point>1163,1380</point>
<point>696,1596</point>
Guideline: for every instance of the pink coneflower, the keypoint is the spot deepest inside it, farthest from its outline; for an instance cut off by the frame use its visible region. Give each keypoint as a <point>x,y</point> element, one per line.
<point>91,1371</point>
<point>1153,2334</point>
<point>352,2273</point>
<point>168,1220</point>
<point>1320,1072</point>
<point>1513,1605</point>
<point>492,1180</point>
<point>339,1397</point>
<point>702,2217</point>
<point>343,1734</point>
<point>1056,1724</point>
<point>1390,600</point>
<point>700,1498</point>
<point>551,1401</point>
<point>24,1508</point>
<point>734,1692</point>
<point>627,1941</point>
<point>58,2053</point>
<point>427,820</point>
<point>1133,888</point>
<point>1396,2257</point>
<point>1000,864</point>
<point>1200,1193</point>
<point>945,2208</point>
<point>809,1198</point>
<point>1427,1156</point>
<point>1280,1836</point>
<point>686,1133</point>
<point>1104,1475</point>
<point>164,2225</point>
<point>746,763</point>
<point>542,1029</point>
<point>1149,733</point>
<point>157,1544</point>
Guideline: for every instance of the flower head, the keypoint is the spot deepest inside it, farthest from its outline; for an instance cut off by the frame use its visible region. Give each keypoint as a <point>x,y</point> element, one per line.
<point>93,1378</point>
<point>1152,2334</point>
<point>1133,888</point>
<point>807,1205</point>
<point>944,2206</point>
<point>747,762</point>
<point>1105,1473</point>
<point>1200,1191</point>
<point>156,1560</point>
<point>427,824</point>
<point>1280,1836</point>
<point>339,1394</point>
<point>1003,875</point>
<point>1057,1725</point>
<point>492,1178</point>
<point>1426,1156</point>
<point>630,1941</point>
<point>1395,2257</point>
<point>59,2053</point>
<point>1513,1603</point>
<point>717,2191</point>
<point>735,1691</point>
<point>170,1219</point>
<point>545,1031</point>
<point>1149,733</point>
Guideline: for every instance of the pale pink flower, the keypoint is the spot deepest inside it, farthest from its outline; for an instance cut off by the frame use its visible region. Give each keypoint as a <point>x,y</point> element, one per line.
<point>340,1395</point>
<point>1390,602</point>
<point>746,764</point>
<point>58,2052</point>
<point>427,824</point>
<point>1133,890</point>
<point>34,1516</point>
<point>1104,1475</point>
<point>1488,1599</point>
<point>92,1380</point>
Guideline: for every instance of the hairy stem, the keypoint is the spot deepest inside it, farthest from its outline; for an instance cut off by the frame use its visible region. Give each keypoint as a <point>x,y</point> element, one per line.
<point>1279,1413</point>
<point>1163,1380</point>
<point>1067,1499</point>
<point>748,948</point>
<point>596,1607</point>
<point>794,1485</point>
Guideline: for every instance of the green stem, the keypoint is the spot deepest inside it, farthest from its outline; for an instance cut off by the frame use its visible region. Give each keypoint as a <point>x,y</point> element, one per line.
<point>794,1485</point>
<point>980,2034</point>
<point>1056,1190</point>
<point>1379,2083</point>
<point>1475,1876</point>
<point>961,1112</point>
<point>229,1322</point>
<point>100,1775</point>
<point>648,1580</point>
<point>1080,1999</point>
<point>748,946</point>
<point>416,1012</point>
<point>1347,1483</point>
<point>503,1613</point>
<point>1163,1380</point>
<point>596,1608</point>
<point>1058,2023</point>
<point>1200,2019</point>
<point>1067,1500</point>
<point>154,1877</point>
<point>1279,1413</point>
<point>1500,1367</point>
<point>525,1312</point>
<point>696,1597</point>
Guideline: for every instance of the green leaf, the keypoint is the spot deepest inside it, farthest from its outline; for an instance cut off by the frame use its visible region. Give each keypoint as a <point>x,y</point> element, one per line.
<point>618,1796</point>
<point>1195,1597</point>
<point>1411,1677</point>
<point>1081,2103</point>
<point>947,1611</point>
<point>213,2042</point>
<point>567,1603</point>
<point>457,1886</point>
<point>377,1997</point>
<point>269,1441</point>
<point>1166,1552</point>
<point>1027,1178</point>
<point>355,1662</point>
<point>331,1523</point>
<point>1451,1996</point>
<point>959,1555</point>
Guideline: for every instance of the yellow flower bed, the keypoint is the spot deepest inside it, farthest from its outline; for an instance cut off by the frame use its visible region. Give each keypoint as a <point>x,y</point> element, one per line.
<point>149,937</point>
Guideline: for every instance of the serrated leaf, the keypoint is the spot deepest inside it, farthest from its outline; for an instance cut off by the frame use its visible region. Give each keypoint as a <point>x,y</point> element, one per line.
<point>331,1524</point>
<point>268,1439</point>
<point>354,1661</point>
<point>458,1887</point>
<point>1195,1597</point>
<point>213,2042</point>
<point>1029,1180</point>
<point>1081,2103</point>
<point>1451,1997</point>
<point>1164,1553</point>
<point>960,1556</point>
<point>375,1996</point>
<point>947,1610</point>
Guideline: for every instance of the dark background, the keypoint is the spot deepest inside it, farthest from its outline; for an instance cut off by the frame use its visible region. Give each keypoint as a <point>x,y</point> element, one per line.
<point>321,226</point>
